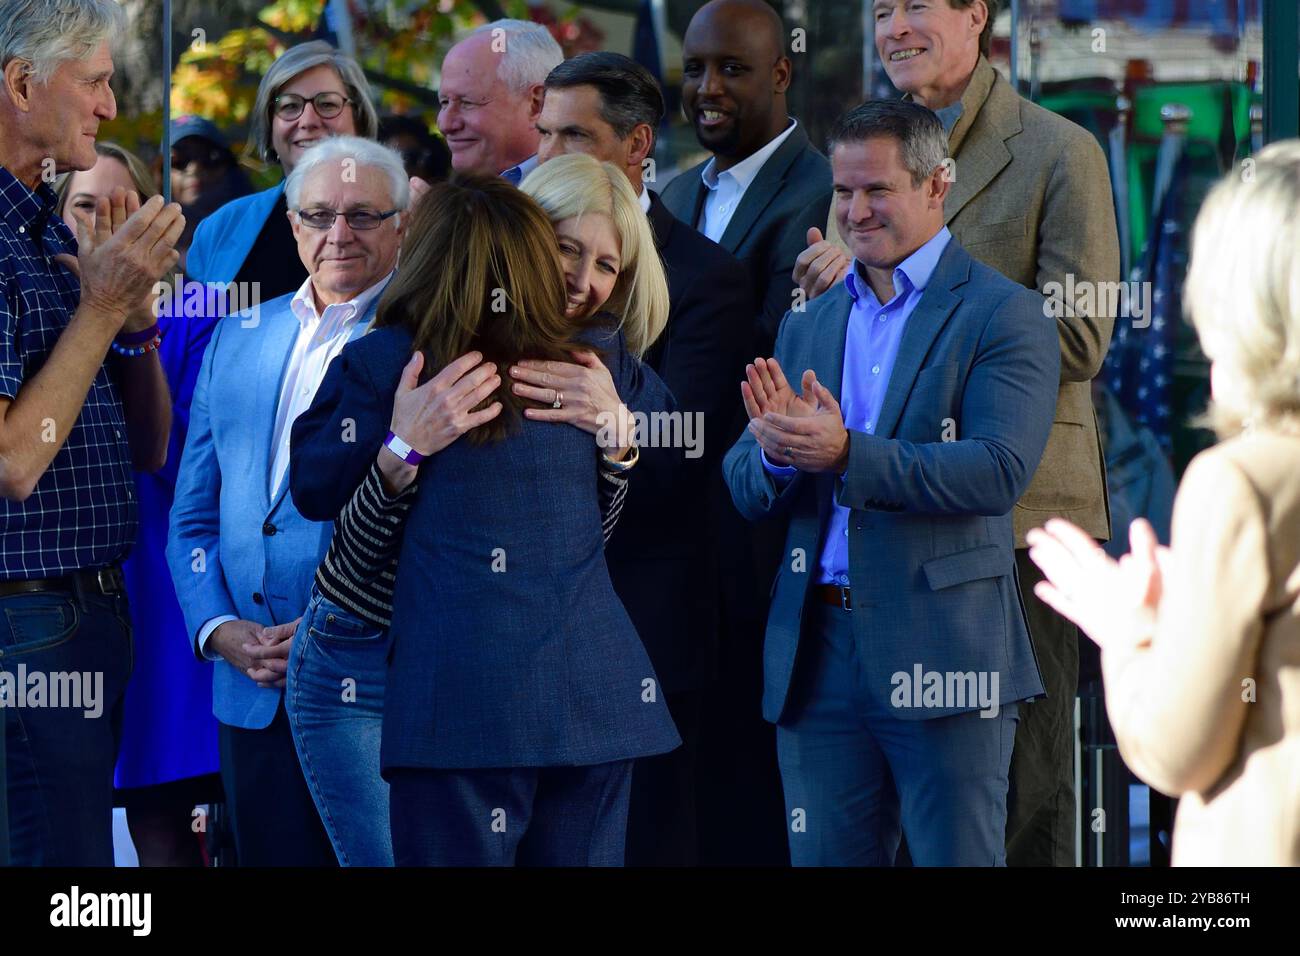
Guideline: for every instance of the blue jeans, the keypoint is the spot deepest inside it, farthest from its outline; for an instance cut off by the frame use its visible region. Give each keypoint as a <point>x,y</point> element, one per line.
<point>334,696</point>
<point>62,743</point>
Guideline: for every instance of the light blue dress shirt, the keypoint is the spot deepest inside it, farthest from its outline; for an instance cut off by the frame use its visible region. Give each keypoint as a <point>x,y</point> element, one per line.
<point>870,348</point>
<point>517,174</point>
<point>726,189</point>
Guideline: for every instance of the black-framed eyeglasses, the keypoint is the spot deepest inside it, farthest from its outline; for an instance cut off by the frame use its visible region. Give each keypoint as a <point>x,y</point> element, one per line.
<point>361,219</point>
<point>289,106</point>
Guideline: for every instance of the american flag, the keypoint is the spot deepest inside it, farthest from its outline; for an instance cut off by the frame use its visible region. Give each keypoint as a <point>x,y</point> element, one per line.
<point>1139,367</point>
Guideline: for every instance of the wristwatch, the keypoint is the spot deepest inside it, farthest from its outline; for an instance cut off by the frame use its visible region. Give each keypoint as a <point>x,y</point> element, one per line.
<point>402,450</point>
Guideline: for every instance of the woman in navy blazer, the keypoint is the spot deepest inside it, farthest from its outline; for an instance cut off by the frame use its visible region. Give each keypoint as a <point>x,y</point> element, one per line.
<point>518,691</point>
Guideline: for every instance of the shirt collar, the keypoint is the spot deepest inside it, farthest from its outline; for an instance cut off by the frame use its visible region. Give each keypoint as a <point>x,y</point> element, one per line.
<point>913,273</point>
<point>24,208</point>
<point>303,303</point>
<point>745,171</point>
<point>949,115</point>
<point>517,174</point>
<point>645,199</point>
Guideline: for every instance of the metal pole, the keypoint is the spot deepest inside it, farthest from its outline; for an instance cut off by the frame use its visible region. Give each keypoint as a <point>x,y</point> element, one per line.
<point>167,102</point>
<point>1015,45</point>
<point>1281,81</point>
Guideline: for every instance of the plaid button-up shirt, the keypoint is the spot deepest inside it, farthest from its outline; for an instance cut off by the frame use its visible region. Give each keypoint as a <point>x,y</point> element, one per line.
<point>82,513</point>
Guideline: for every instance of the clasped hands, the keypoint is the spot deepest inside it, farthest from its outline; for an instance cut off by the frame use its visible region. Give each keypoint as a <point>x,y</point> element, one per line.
<point>260,652</point>
<point>804,430</point>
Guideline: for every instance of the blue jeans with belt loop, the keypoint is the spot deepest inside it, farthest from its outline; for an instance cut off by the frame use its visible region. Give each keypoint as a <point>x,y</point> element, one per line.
<point>334,696</point>
<point>65,659</point>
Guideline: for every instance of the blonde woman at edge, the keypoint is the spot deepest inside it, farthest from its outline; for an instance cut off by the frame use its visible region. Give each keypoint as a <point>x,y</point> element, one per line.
<point>1201,641</point>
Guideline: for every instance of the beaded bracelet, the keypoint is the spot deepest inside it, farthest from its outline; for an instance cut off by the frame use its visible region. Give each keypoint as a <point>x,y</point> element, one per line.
<point>138,350</point>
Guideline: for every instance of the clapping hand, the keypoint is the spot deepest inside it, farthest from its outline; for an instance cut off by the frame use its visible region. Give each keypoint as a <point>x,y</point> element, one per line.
<point>1113,602</point>
<point>806,430</point>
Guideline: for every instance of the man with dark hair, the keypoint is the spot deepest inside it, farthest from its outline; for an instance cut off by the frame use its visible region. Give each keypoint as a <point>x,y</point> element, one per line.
<point>752,195</point>
<point>896,651</point>
<point>608,106</point>
<point>1030,197</point>
<point>757,195</point>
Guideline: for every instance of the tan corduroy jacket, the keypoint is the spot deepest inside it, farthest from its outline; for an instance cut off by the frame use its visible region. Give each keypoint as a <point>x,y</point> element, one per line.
<point>1210,709</point>
<point>1031,197</point>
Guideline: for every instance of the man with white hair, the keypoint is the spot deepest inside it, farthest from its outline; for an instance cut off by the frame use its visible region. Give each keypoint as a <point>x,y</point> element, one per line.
<point>83,399</point>
<point>241,555</point>
<point>490,97</point>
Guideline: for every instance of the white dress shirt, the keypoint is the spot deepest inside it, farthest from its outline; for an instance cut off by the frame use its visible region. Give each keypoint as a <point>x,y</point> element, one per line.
<point>727,188</point>
<point>645,200</point>
<point>321,338</point>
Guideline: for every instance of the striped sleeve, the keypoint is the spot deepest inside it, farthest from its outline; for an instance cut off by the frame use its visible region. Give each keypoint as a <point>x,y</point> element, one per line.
<point>360,567</point>
<point>613,490</point>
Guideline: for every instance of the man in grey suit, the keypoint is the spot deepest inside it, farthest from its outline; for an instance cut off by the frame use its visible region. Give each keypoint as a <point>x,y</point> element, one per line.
<point>1030,197</point>
<point>896,649</point>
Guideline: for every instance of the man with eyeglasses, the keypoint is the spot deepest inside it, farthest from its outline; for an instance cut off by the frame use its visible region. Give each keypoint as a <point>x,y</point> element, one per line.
<point>240,553</point>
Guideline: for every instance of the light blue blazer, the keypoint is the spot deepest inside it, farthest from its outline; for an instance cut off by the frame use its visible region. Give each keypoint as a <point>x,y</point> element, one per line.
<point>964,422</point>
<point>223,240</point>
<point>234,549</point>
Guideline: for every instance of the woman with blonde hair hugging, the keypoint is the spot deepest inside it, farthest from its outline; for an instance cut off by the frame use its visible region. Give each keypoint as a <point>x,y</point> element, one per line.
<point>602,233</point>
<point>1201,641</point>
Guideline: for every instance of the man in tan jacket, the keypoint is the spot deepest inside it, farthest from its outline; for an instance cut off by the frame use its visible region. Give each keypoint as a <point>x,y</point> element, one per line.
<point>1030,196</point>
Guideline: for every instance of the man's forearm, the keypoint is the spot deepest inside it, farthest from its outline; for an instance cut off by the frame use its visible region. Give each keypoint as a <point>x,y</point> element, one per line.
<point>39,419</point>
<point>148,405</point>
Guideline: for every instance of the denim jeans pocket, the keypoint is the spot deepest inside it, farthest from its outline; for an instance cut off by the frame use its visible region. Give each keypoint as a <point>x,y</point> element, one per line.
<point>337,625</point>
<point>37,622</point>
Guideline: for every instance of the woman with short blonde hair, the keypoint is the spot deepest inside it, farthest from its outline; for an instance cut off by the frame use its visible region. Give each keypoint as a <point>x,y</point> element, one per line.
<point>1201,641</point>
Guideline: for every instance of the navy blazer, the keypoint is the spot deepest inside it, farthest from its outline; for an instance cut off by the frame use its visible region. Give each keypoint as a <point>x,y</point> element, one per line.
<point>931,561</point>
<point>768,230</point>
<point>666,539</point>
<point>510,648</point>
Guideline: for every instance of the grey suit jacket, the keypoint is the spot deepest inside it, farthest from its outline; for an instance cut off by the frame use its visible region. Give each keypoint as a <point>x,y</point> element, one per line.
<point>790,194</point>
<point>1031,197</point>
<point>964,422</point>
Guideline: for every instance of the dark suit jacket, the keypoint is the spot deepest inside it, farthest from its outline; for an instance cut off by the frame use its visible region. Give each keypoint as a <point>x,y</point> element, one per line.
<point>931,563</point>
<point>510,648</point>
<point>791,193</point>
<point>662,556</point>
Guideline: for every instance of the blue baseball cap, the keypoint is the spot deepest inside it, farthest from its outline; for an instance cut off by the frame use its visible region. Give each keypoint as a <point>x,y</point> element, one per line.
<point>189,125</point>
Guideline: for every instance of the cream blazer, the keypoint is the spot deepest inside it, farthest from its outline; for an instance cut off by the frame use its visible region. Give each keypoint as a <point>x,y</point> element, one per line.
<point>1209,711</point>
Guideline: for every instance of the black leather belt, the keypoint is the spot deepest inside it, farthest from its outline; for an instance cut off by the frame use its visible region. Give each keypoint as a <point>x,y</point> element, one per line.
<point>96,581</point>
<point>834,595</point>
